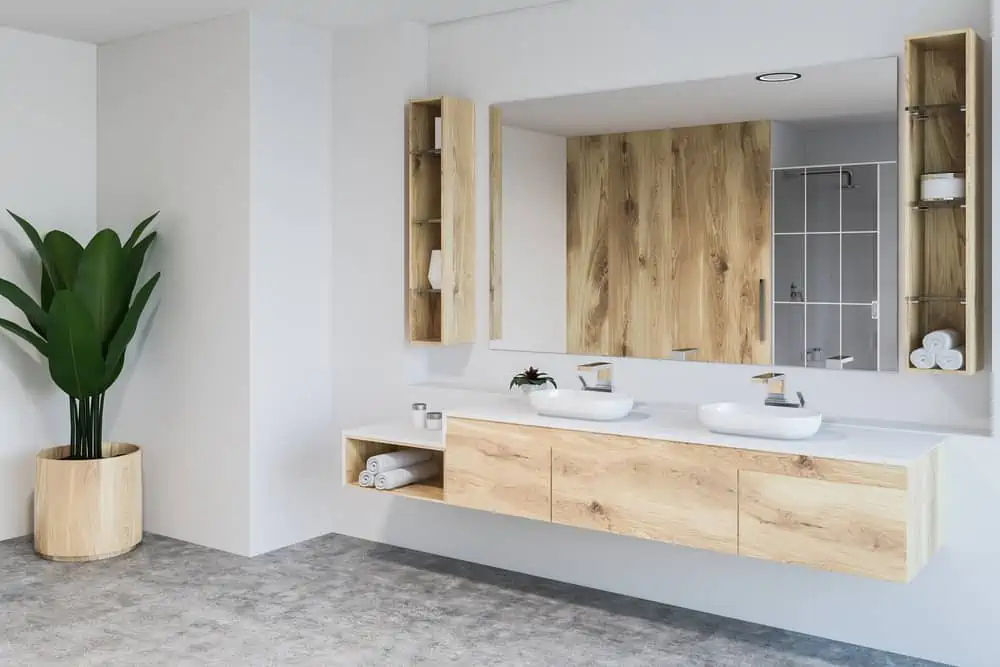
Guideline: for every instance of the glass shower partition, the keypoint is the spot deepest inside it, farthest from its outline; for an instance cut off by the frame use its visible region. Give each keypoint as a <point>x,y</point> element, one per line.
<point>831,287</point>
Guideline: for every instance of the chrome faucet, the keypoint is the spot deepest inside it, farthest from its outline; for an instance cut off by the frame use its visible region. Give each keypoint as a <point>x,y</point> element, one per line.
<point>603,371</point>
<point>776,391</point>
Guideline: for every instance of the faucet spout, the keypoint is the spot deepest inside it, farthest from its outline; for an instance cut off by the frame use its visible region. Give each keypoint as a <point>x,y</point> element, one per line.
<point>602,370</point>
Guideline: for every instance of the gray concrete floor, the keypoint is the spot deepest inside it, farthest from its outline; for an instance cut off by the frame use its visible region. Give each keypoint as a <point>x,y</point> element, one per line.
<point>341,601</point>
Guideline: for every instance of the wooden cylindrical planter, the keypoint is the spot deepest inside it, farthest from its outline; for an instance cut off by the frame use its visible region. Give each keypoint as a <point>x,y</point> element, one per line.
<point>88,510</point>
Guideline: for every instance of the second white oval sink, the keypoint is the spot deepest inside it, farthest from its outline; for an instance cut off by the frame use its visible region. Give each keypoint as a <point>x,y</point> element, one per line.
<point>574,404</point>
<point>760,421</point>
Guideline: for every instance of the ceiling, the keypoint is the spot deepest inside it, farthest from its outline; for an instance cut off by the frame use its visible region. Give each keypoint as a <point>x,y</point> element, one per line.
<point>100,21</point>
<point>852,90</point>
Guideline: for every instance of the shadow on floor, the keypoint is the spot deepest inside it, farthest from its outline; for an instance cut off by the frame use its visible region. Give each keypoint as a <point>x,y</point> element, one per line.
<point>753,634</point>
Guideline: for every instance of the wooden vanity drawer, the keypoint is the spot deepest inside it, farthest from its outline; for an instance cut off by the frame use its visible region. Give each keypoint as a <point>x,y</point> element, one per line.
<point>501,468</point>
<point>666,491</point>
<point>869,519</point>
<point>830,525</point>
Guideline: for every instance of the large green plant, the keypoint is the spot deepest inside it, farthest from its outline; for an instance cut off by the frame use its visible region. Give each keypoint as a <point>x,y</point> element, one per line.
<point>84,319</point>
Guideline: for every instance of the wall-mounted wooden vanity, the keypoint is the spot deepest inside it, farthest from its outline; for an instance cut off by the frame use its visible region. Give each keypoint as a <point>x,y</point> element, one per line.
<point>850,500</point>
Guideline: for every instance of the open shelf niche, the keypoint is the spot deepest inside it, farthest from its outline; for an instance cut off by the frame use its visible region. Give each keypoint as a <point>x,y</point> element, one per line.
<point>357,451</point>
<point>941,240</point>
<point>440,216</point>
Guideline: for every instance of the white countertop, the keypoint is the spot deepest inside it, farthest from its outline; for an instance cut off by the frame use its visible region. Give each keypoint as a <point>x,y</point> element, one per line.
<point>398,433</point>
<point>680,424</point>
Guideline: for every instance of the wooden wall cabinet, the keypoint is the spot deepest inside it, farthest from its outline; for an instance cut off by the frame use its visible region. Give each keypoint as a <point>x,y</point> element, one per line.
<point>668,243</point>
<point>440,215</point>
<point>942,240</point>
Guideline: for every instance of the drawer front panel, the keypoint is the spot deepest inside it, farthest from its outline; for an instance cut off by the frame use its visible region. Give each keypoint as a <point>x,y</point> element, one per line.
<point>671,492</point>
<point>501,468</point>
<point>833,526</point>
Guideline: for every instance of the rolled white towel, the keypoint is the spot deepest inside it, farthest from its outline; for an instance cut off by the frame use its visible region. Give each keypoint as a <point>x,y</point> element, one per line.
<point>366,479</point>
<point>942,339</point>
<point>394,460</point>
<point>393,479</point>
<point>951,360</point>
<point>922,358</point>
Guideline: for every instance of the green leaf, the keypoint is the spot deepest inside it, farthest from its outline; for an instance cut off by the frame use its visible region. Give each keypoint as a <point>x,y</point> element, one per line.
<point>137,233</point>
<point>36,241</point>
<point>133,264</point>
<point>75,361</point>
<point>112,377</point>
<point>48,291</point>
<point>99,282</point>
<point>64,252</point>
<point>35,314</point>
<point>17,330</point>
<point>123,336</point>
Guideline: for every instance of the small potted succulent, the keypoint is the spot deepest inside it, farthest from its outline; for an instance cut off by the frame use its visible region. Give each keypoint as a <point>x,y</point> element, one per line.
<point>531,380</point>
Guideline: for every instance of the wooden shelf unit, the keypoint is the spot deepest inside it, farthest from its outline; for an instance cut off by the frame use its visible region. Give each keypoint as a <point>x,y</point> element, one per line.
<point>941,241</point>
<point>357,452</point>
<point>440,215</point>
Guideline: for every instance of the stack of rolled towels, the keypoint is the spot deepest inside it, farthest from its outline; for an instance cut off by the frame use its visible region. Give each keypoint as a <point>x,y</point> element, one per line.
<point>941,349</point>
<point>397,469</point>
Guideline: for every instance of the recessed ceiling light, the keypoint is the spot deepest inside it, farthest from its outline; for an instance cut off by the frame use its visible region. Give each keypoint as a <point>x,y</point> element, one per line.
<point>778,77</point>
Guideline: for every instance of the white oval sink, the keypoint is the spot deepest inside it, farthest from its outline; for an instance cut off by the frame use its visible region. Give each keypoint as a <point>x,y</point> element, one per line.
<point>760,421</point>
<point>575,404</point>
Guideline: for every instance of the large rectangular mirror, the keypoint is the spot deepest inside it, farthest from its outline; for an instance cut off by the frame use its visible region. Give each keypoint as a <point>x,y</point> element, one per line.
<point>730,220</point>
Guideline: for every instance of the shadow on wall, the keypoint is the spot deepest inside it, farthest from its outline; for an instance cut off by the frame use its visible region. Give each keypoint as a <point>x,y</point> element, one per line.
<point>449,362</point>
<point>116,396</point>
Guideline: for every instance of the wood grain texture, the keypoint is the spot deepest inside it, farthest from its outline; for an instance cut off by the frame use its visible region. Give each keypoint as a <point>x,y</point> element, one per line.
<point>974,212</point>
<point>831,470</point>
<point>923,536</point>
<point>838,527</point>
<point>588,328</point>
<point>501,468</point>
<point>942,253</point>
<point>458,221</point>
<point>88,510</point>
<point>432,490</point>
<point>423,202</point>
<point>671,492</point>
<point>721,226</point>
<point>496,223</point>
<point>668,238</point>
<point>639,245</point>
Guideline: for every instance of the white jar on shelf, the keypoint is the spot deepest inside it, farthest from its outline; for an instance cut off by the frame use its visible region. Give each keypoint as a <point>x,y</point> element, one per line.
<point>435,270</point>
<point>942,186</point>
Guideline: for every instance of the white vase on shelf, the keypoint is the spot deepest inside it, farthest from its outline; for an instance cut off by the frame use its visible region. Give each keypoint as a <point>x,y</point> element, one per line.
<point>434,271</point>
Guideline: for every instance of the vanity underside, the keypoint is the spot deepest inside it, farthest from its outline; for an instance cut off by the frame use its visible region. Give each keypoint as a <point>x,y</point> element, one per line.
<point>870,519</point>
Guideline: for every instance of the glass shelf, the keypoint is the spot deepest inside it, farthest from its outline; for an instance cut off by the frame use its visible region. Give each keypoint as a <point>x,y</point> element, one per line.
<point>911,300</point>
<point>425,290</point>
<point>924,205</point>
<point>429,152</point>
<point>925,111</point>
<point>429,221</point>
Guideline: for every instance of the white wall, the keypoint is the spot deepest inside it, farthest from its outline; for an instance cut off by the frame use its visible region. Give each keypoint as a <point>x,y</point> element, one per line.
<point>786,145</point>
<point>948,613</point>
<point>174,129</point>
<point>48,172</point>
<point>291,283</point>
<point>534,241</point>
<point>474,58</point>
<point>376,70</point>
<point>872,141</point>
